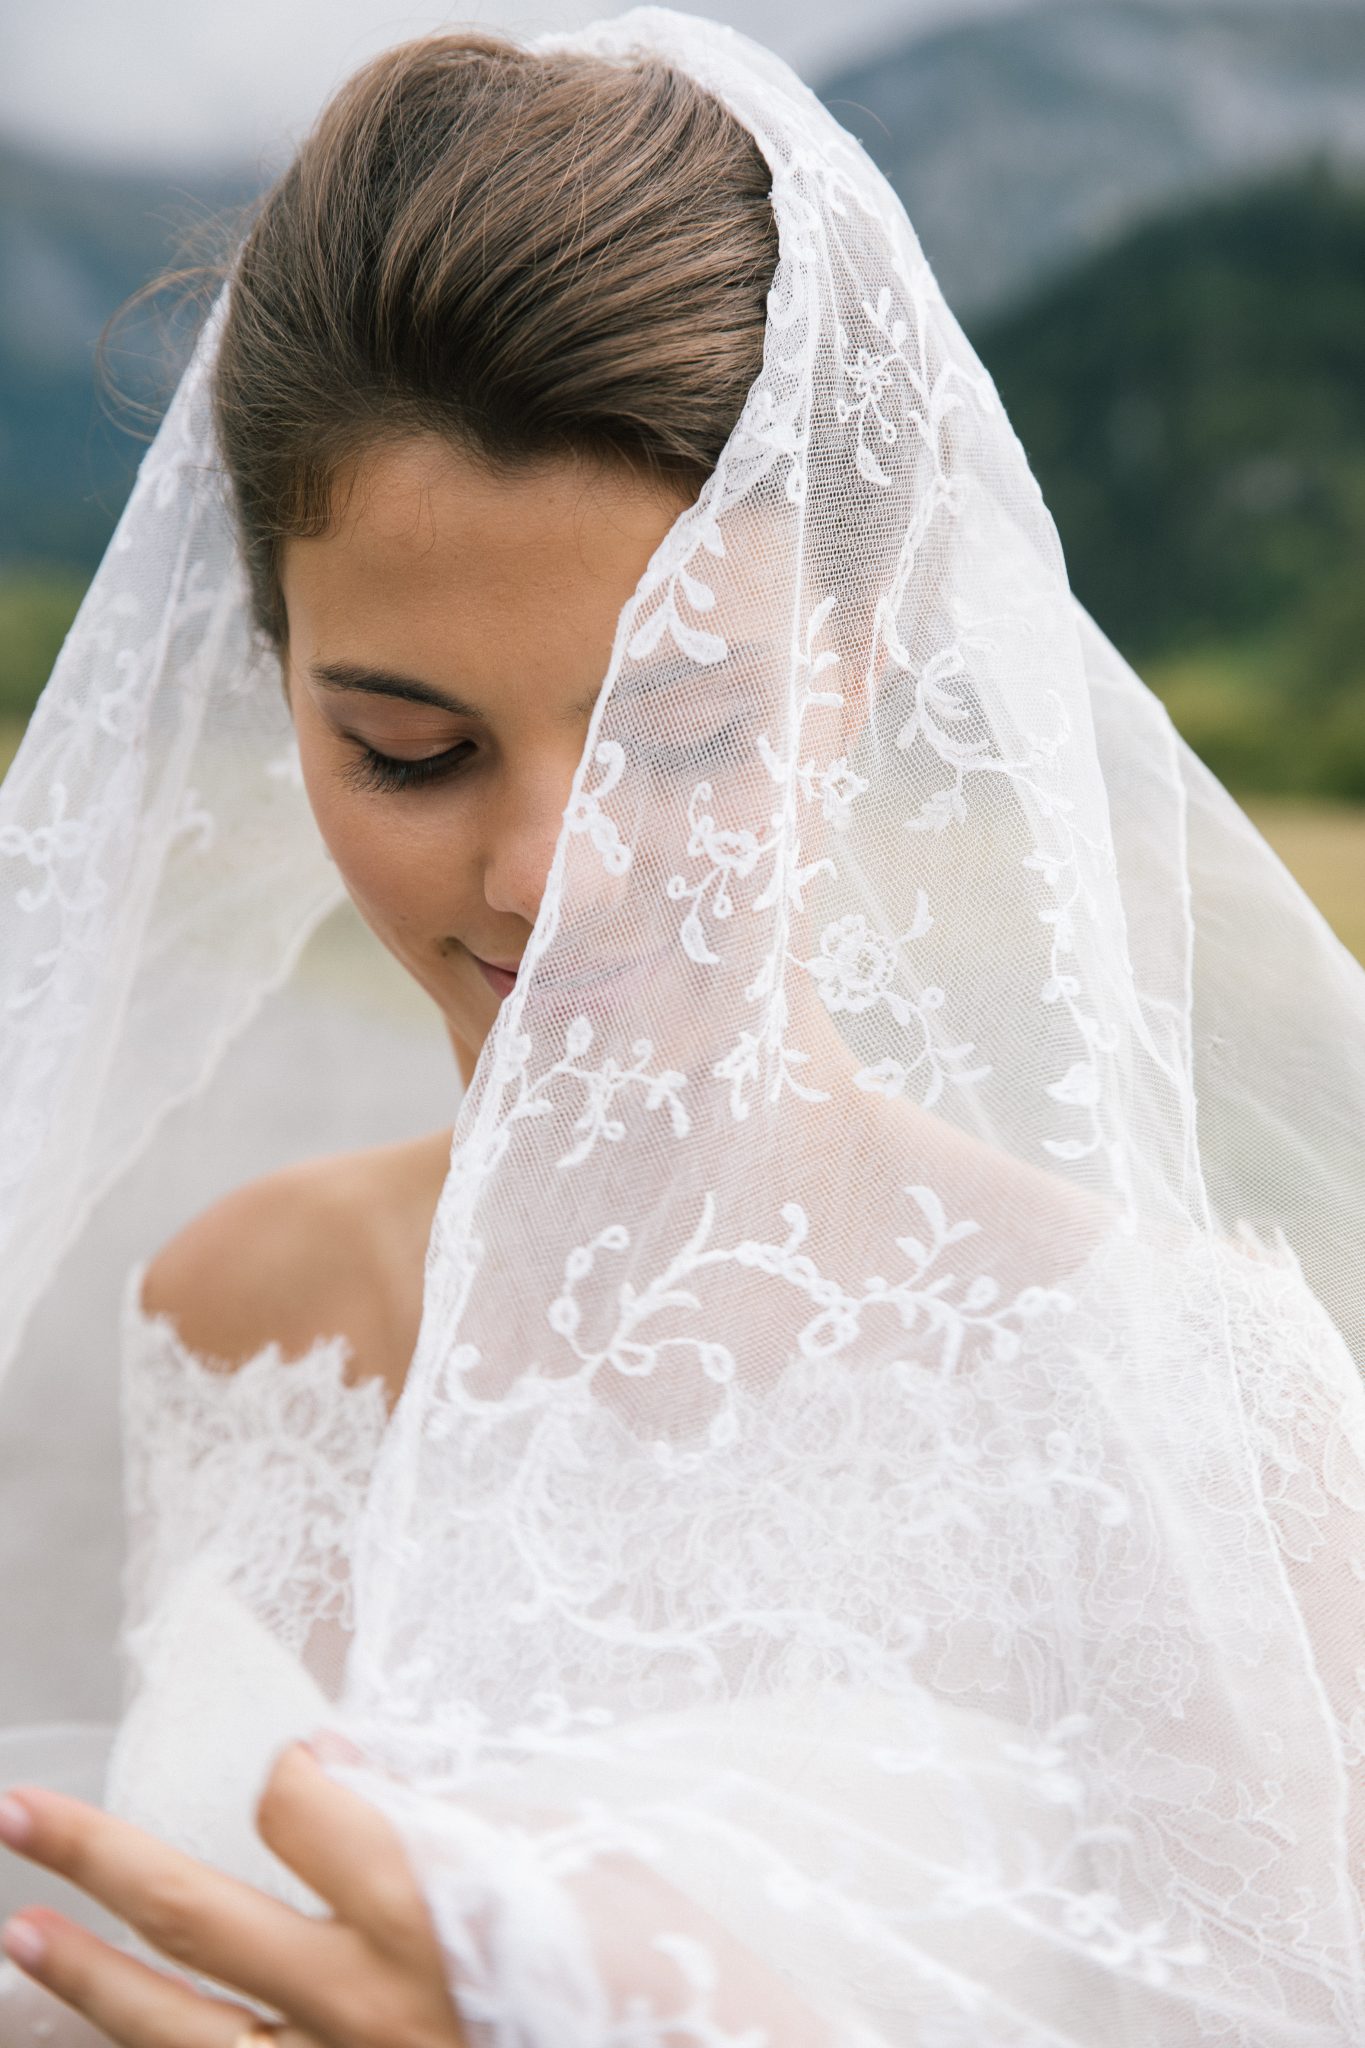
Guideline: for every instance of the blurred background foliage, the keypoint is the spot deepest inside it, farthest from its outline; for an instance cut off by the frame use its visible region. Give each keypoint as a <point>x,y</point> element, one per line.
<point>1150,219</point>
<point>1193,405</point>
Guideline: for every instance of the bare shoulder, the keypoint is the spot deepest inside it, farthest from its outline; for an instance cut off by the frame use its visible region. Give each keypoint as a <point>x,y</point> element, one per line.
<point>328,1247</point>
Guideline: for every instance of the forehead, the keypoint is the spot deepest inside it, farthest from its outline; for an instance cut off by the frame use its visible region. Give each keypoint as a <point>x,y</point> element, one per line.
<point>427,546</point>
<point>438,568</point>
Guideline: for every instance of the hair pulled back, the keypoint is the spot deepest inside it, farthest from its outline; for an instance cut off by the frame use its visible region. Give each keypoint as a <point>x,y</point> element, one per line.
<point>529,254</point>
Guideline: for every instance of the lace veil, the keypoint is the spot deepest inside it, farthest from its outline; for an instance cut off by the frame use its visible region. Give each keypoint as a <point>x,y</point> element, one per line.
<point>880,1488</point>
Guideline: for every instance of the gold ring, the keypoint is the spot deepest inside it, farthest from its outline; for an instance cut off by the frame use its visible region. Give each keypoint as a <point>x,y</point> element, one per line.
<point>260,2034</point>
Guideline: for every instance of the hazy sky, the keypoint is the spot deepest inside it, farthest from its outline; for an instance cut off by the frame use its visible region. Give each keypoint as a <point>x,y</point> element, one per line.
<point>195,81</point>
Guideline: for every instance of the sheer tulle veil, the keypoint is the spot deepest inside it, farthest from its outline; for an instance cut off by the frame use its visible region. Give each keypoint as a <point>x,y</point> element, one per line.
<point>885,1451</point>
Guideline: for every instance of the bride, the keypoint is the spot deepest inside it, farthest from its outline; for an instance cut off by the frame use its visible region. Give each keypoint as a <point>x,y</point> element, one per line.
<point>827,1507</point>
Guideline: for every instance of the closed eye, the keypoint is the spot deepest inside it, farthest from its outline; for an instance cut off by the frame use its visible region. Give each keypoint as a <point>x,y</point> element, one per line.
<point>702,753</point>
<point>373,770</point>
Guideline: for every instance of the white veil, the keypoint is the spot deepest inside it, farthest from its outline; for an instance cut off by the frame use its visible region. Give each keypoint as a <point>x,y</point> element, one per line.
<point>879,1495</point>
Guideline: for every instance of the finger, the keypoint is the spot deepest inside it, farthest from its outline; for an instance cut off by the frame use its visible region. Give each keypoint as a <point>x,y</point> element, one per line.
<point>342,1846</point>
<point>128,2001</point>
<point>195,1915</point>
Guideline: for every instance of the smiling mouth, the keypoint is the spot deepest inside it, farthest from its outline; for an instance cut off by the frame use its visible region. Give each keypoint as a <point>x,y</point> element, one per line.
<point>502,980</point>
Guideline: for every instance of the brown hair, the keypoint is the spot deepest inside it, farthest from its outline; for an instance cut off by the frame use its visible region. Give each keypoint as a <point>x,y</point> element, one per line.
<point>531,254</point>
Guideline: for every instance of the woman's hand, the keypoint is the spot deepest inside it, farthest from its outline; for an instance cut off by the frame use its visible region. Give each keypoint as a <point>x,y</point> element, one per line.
<point>370,1976</point>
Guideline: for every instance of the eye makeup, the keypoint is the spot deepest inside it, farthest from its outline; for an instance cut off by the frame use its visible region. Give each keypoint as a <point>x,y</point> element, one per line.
<point>372,770</point>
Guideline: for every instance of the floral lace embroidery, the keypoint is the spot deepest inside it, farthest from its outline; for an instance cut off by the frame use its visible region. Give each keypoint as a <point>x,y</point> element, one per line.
<point>263,1468</point>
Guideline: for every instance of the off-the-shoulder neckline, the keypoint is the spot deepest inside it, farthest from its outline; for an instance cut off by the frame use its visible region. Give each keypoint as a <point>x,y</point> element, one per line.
<point>333,1353</point>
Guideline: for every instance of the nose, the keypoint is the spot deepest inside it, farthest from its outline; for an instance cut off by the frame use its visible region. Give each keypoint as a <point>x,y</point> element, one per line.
<point>521,834</point>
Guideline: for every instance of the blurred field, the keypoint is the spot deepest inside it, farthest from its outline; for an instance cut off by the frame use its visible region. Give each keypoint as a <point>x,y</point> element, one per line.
<point>1323,846</point>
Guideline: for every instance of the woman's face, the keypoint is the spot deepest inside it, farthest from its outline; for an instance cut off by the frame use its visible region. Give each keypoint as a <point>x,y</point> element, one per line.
<point>447,640</point>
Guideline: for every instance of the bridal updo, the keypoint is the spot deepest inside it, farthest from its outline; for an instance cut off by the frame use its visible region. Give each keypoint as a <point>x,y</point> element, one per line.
<point>530,254</point>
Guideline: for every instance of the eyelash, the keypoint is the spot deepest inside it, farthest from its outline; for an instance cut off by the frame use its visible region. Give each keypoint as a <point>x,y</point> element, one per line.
<point>702,753</point>
<point>372,770</point>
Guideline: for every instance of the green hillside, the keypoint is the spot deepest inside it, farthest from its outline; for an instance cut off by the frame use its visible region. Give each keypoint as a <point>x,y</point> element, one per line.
<point>1193,405</point>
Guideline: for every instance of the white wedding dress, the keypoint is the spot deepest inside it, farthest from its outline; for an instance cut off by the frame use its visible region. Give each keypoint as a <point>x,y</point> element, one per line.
<point>236,1635</point>
<point>218,1680</point>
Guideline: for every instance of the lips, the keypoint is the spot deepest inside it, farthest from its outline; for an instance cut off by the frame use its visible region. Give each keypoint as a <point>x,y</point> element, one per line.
<point>601,974</point>
<point>502,980</point>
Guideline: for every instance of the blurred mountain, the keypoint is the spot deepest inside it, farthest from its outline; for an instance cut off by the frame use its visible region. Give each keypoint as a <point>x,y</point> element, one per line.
<point>1113,195</point>
<point>1023,143</point>
<point>74,244</point>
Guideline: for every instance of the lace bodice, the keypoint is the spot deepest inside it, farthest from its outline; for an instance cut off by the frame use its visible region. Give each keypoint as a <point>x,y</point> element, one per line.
<point>190,1428</point>
<point>235,1631</point>
<point>243,1488</point>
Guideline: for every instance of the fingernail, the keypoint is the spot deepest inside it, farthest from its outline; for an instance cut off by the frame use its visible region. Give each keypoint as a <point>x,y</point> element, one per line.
<point>330,1748</point>
<point>24,1944</point>
<point>16,1823</point>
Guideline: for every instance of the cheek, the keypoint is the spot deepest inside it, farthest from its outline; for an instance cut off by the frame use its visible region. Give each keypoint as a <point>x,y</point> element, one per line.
<point>398,858</point>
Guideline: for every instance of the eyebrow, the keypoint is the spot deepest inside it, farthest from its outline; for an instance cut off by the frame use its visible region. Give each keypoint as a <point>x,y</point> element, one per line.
<point>378,682</point>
